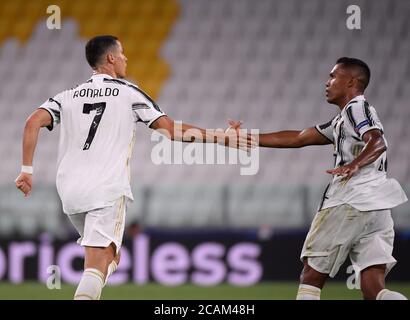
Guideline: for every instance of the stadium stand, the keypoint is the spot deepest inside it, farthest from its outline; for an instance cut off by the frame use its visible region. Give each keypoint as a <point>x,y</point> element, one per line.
<point>264,62</point>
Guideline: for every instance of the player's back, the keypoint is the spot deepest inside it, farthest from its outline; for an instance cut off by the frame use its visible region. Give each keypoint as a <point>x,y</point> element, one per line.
<point>96,140</point>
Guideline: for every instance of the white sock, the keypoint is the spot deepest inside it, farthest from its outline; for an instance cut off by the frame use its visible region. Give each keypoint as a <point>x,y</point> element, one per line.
<point>111,269</point>
<point>307,292</point>
<point>90,285</point>
<point>386,294</point>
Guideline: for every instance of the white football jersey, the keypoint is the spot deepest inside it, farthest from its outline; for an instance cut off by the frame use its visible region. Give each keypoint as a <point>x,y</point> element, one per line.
<point>369,189</point>
<point>98,120</point>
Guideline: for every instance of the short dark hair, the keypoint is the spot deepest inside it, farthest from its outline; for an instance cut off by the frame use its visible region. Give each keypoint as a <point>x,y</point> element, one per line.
<point>97,47</point>
<point>360,65</point>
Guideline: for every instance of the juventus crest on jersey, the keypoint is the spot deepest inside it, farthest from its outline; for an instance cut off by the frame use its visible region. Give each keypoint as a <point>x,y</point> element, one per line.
<point>369,189</point>
<point>97,135</point>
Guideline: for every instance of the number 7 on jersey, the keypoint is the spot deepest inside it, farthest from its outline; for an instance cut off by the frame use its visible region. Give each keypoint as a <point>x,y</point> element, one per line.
<point>87,108</point>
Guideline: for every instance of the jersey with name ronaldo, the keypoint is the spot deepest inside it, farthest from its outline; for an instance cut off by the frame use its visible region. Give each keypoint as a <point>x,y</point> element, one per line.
<point>97,136</point>
<point>369,188</point>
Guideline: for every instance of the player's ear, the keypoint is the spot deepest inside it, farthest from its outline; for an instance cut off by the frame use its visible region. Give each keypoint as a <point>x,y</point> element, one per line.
<point>110,58</point>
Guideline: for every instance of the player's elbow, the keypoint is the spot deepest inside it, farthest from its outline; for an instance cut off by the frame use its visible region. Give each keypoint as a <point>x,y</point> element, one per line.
<point>383,148</point>
<point>298,144</point>
<point>299,141</point>
<point>32,124</point>
<point>380,146</point>
<point>302,139</point>
<point>171,135</point>
<point>166,132</point>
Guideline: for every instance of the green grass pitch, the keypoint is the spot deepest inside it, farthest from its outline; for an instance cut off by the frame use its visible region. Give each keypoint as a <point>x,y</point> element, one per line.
<point>262,291</point>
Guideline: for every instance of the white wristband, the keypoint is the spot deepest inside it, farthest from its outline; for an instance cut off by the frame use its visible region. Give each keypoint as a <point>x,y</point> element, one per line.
<point>27,169</point>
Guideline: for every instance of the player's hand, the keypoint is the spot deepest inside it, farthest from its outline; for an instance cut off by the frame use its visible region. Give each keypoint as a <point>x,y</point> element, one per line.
<point>346,171</point>
<point>24,182</point>
<point>238,137</point>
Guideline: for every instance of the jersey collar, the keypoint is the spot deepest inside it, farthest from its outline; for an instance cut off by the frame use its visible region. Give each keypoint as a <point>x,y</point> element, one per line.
<point>99,76</point>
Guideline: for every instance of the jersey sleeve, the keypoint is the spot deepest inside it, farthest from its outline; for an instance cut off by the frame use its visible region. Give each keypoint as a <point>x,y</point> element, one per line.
<point>326,130</point>
<point>144,109</point>
<point>362,118</point>
<point>53,106</point>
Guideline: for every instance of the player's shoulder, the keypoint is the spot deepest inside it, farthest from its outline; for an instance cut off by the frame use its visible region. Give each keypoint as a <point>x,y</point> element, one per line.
<point>356,110</point>
<point>332,122</point>
<point>60,96</point>
<point>130,88</point>
<point>68,93</point>
<point>129,83</point>
<point>358,103</point>
<point>122,82</point>
<point>77,86</point>
<point>354,104</point>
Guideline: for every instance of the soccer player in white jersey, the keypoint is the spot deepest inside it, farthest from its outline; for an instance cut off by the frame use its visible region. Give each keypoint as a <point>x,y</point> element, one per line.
<point>98,121</point>
<point>354,215</point>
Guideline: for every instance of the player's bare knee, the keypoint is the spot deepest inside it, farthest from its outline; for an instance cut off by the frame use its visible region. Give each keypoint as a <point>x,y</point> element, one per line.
<point>369,293</point>
<point>99,258</point>
<point>372,281</point>
<point>116,256</point>
<point>370,289</point>
<point>305,271</point>
<point>312,277</point>
<point>307,276</point>
<point>366,292</point>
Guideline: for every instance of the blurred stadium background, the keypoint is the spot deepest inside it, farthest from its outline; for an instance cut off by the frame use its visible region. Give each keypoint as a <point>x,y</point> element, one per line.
<point>194,226</point>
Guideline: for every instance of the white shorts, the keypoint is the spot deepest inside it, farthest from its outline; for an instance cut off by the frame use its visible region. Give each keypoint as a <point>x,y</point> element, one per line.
<point>101,227</point>
<point>367,237</point>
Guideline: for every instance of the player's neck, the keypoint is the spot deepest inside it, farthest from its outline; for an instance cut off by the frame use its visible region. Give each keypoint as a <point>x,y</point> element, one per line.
<point>105,70</point>
<point>349,96</point>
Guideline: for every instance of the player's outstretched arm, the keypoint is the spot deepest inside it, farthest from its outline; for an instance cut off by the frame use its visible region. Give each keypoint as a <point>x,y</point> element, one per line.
<point>292,139</point>
<point>39,118</point>
<point>189,133</point>
<point>374,147</point>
